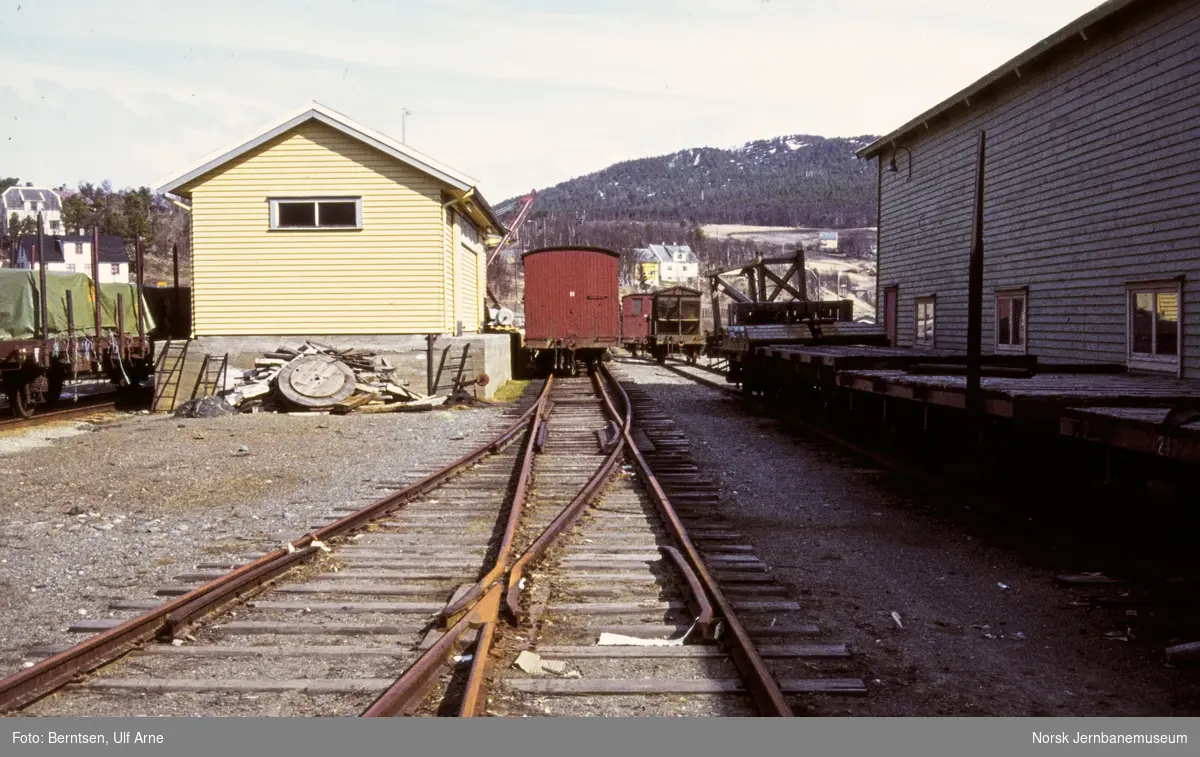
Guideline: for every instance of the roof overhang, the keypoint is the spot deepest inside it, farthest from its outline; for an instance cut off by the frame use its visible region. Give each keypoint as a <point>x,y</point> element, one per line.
<point>179,185</point>
<point>1009,73</point>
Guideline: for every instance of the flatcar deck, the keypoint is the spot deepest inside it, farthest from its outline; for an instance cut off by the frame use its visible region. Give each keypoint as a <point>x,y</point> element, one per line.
<point>1009,397</point>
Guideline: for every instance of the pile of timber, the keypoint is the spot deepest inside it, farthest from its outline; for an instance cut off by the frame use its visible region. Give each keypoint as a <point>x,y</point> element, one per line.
<point>316,377</point>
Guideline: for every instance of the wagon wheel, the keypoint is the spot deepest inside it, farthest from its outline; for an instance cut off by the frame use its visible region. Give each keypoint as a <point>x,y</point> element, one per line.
<point>20,400</point>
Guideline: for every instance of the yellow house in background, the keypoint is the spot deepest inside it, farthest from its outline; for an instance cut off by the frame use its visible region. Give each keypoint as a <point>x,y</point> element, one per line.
<point>319,225</point>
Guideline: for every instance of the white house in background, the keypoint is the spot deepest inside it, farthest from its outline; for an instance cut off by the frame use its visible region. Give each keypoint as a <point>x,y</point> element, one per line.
<point>27,202</point>
<point>665,263</point>
<point>73,254</point>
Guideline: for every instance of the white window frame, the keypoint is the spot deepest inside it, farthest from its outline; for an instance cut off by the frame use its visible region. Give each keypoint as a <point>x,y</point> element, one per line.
<point>1143,361</point>
<point>274,213</point>
<point>70,268</point>
<point>1008,294</point>
<point>932,302</point>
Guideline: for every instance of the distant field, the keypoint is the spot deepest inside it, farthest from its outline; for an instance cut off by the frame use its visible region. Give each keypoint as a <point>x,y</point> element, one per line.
<point>768,235</point>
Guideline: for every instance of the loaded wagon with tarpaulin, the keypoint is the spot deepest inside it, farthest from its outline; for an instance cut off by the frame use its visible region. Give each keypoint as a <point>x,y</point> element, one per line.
<point>53,328</point>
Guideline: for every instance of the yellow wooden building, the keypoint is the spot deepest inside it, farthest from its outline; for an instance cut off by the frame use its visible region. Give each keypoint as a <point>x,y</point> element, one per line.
<point>319,225</point>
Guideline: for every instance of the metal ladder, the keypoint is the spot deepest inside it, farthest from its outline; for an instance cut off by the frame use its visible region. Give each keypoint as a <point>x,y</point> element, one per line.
<point>211,378</point>
<point>167,373</point>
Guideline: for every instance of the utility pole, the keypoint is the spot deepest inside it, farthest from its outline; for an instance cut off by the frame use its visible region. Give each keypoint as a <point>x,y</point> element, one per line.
<point>404,114</point>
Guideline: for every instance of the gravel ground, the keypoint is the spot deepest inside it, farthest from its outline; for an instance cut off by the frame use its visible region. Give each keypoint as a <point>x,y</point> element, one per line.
<point>986,631</point>
<point>114,508</point>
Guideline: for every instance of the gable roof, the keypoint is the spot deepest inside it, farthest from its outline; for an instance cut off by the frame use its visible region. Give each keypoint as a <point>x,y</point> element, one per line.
<point>665,253</point>
<point>112,248</point>
<point>314,111</point>
<point>14,196</point>
<point>1054,45</point>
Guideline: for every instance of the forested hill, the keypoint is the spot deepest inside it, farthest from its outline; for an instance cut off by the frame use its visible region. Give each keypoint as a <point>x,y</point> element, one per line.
<point>797,180</point>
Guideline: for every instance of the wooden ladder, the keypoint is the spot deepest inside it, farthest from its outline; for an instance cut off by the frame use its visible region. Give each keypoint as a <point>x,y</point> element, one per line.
<point>167,374</point>
<point>211,378</point>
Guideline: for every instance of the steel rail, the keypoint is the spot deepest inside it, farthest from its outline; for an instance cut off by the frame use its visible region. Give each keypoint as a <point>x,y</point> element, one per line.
<point>169,619</point>
<point>571,512</point>
<point>53,415</point>
<point>762,685</point>
<point>415,684</point>
<point>516,510</point>
<point>407,693</point>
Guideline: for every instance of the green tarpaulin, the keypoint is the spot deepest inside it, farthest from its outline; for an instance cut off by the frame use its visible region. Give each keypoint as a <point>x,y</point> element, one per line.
<point>21,319</point>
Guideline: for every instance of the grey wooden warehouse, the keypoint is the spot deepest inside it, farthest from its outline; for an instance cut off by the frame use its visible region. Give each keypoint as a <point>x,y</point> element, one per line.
<point>1092,189</point>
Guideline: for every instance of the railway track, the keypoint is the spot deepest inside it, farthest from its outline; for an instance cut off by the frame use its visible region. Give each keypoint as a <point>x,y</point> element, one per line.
<point>571,523</point>
<point>84,408</point>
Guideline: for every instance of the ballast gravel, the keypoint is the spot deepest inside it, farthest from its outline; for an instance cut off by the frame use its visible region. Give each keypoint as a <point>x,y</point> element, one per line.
<point>977,629</point>
<point>123,504</point>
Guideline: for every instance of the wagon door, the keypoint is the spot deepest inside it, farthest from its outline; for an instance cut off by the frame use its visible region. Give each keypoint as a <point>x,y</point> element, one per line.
<point>597,316</point>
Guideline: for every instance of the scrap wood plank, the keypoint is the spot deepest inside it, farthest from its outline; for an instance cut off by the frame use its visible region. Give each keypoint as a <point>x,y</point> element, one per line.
<point>351,403</point>
<point>395,407</point>
<point>402,391</point>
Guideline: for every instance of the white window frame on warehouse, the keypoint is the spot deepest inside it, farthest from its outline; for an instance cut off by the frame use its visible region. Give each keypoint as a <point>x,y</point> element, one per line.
<point>928,341</point>
<point>316,202</point>
<point>1005,299</point>
<point>1155,360</point>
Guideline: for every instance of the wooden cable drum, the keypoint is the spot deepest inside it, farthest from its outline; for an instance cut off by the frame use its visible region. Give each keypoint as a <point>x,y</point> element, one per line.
<point>316,381</point>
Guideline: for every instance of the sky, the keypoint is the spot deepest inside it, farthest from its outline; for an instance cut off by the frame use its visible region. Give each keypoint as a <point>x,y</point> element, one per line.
<point>517,94</point>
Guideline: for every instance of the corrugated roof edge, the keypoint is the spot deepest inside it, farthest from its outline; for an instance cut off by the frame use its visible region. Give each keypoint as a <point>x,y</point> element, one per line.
<point>1047,46</point>
<point>571,247</point>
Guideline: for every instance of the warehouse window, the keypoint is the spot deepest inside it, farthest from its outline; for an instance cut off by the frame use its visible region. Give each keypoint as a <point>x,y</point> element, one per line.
<point>116,269</point>
<point>317,213</point>
<point>925,321</point>
<point>1153,325</point>
<point>637,307</point>
<point>1010,320</point>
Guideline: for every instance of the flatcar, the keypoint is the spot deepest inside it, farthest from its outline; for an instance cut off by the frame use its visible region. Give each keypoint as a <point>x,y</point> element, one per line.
<point>572,307</point>
<point>635,322</point>
<point>53,328</point>
<point>675,324</point>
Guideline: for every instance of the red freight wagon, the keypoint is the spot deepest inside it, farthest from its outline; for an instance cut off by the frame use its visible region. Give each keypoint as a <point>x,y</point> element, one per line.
<point>571,305</point>
<point>635,321</point>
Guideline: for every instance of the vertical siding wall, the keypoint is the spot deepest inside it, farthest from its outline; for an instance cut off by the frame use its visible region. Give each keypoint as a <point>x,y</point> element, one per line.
<point>448,307</point>
<point>467,250</point>
<point>1091,183</point>
<point>385,279</point>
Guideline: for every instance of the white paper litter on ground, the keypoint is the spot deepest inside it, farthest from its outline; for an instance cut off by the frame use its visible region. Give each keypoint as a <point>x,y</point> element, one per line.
<point>617,640</point>
<point>534,664</point>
